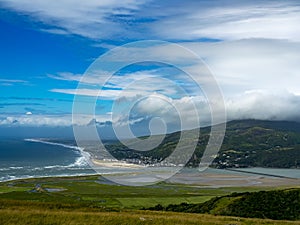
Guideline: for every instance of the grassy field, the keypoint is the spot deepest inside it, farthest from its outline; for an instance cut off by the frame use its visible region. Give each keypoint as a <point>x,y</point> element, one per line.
<point>93,200</point>
<point>47,217</point>
<point>98,192</point>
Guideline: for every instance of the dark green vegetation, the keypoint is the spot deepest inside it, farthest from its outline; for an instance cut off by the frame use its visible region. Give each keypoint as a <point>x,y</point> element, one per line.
<point>247,143</point>
<point>278,205</point>
<point>93,200</point>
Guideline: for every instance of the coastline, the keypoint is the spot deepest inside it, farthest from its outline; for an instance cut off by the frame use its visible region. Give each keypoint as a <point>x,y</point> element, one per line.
<point>28,177</point>
<point>258,173</point>
<point>203,181</point>
<point>115,164</point>
<point>209,178</point>
<point>216,180</point>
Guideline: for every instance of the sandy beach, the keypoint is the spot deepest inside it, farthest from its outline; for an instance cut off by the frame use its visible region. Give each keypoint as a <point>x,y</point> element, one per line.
<point>213,178</point>
<point>231,180</point>
<point>114,164</point>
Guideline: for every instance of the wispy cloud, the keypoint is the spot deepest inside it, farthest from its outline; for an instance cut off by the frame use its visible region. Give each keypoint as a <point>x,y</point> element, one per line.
<point>91,19</point>
<point>176,20</point>
<point>21,104</point>
<point>125,86</point>
<point>10,82</point>
<point>107,94</point>
<point>36,99</point>
<point>255,60</point>
<point>230,20</point>
<point>253,74</point>
<point>238,66</point>
<point>252,64</point>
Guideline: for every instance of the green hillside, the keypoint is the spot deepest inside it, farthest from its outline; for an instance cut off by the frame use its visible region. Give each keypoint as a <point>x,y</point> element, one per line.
<point>277,204</point>
<point>247,143</point>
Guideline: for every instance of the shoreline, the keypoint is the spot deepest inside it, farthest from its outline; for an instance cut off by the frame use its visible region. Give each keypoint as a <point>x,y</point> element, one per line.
<point>115,164</point>
<point>257,173</point>
<point>221,180</point>
<point>51,176</point>
<point>206,180</point>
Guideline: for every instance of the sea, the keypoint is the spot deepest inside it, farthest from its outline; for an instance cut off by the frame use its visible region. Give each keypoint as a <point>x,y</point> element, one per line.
<point>29,158</point>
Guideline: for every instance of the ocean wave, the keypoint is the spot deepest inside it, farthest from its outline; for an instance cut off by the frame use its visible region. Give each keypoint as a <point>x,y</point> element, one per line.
<point>12,168</point>
<point>11,178</point>
<point>16,167</point>
<point>37,169</point>
<point>79,162</point>
<point>54,143</point>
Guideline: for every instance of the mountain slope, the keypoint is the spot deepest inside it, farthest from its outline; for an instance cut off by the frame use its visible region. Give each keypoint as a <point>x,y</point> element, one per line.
<point>247,143</point>
<point>260,144</point>
<point>278,205</point>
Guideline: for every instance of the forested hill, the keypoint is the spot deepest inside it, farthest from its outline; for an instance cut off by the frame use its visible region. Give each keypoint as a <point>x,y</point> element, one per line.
<point>260,144</point>
<point>247,143</point>
<point>278,205</point>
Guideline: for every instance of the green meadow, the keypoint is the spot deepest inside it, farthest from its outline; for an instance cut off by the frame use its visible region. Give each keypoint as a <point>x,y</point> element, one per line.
<point>95,191</point>
<point>93,200</point>
<point>47,217</point>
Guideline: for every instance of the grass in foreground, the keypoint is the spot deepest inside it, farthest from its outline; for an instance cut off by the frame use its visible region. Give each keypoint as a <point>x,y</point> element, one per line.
<point>47,217</point>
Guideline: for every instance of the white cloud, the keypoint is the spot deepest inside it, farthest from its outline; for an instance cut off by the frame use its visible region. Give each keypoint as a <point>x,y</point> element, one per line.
<point>87,18</point>
<point>231,21</point>
<point>263,54</point>
<point>237,66</point>
<point>259,104</point>
<point>240,67</point>
<point>94,79</point>
<point>120,87</point>
<point>176,19</point>
<point>55,31</point>
<point>256,104</point>
<point>186,112</point>
<point>107,94</point>
<point>61,120</point>
<point>250,64</point>
<point>10,82</point>
<point>35,120</point>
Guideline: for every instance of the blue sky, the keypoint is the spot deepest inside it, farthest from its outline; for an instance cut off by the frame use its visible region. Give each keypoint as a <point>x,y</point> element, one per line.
<point>252,48</point>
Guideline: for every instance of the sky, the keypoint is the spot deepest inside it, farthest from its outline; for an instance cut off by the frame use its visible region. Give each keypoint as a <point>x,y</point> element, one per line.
<point>252,49</point>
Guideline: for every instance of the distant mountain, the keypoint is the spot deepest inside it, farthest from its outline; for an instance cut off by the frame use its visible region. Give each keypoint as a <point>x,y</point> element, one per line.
<point>278,205</point>
<point>247,143</point>
<point>259,143</point>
